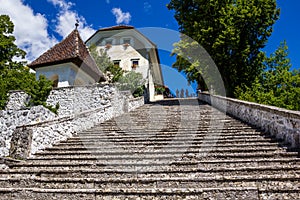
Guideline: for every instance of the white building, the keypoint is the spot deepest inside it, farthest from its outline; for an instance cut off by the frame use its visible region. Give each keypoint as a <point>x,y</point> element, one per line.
<point>68,63</point>
<point>131,50</point>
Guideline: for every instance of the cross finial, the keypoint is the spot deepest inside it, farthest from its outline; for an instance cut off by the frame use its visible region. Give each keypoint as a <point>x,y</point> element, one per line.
<point>77,23</point>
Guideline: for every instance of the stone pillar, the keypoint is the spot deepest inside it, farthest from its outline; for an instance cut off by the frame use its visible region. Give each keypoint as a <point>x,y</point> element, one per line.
<point>21,143</point>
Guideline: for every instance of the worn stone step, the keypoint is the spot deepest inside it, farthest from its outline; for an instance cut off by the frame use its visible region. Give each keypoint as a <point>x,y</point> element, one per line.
<point>161,171</point>
<point>229,155</point>
<point>240,143</point>
<point>263,182</point>
<point>187,139</point>
<point>160,151</point>
<point>289,160</point>
<point>132,193</point>
<point>162,135</point>
<point>80,164</point>
<point>178,145</point>
<point>164,129</point>
<point>141,153</point>
<point>206,142</point>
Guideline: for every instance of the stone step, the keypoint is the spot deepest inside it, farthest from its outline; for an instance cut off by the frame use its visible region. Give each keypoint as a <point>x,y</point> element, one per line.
<point>162,135</point>
<point>178,145</point>
<point>237,143</point>
<point>160,151</point>
<point>150,126</point>
<point>264,182</point>
<point>79,164</point>
<point>149,170</point>
<point>216,141</point>
<point>177,155</point>
<point>245,193</point>
<point>188,139</point>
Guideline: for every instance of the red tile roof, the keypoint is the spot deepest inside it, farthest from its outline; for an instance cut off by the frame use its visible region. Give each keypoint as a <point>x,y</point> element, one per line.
<point>119,27</point>
<point>71,49</point>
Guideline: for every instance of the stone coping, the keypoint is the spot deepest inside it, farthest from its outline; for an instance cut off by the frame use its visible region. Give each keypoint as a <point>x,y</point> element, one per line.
<point>267,108</point>
<point>63,119</point>
<point>281,123</point>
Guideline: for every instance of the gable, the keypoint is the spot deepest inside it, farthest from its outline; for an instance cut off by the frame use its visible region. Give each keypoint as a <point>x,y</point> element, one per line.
<point>71,49</point>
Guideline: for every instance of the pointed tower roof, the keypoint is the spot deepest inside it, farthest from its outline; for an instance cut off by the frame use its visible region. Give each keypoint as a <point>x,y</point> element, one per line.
<point>71,49</point>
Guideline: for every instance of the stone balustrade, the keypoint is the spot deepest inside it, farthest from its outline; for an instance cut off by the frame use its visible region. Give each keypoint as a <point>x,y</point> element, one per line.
<point>25,131</point>
<point>280,123</point>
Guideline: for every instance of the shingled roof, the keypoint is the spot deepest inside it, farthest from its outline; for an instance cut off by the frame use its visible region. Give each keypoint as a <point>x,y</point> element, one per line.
<point>71,49</point>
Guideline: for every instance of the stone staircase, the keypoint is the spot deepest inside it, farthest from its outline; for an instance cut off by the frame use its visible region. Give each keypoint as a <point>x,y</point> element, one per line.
<point>176,149</point>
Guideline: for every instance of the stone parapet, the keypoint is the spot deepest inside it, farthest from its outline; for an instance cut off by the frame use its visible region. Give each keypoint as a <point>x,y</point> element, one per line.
<point>80,108</point>
<point>135,103</point>
<point>280,123</point>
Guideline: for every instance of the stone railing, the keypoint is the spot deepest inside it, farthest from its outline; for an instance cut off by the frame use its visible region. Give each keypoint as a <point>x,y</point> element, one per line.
<point>135,103</point>
<point>280,123</point>
<point>24,131</point>
<point>29,139</point>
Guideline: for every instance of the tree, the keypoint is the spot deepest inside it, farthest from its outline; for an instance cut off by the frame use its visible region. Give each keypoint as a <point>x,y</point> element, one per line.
<point>22,79</point>
<point>132,81</point>
<point>105,64</point>
<point>8,49</point>
<point>187,93</point>
<point>13,74</point>
<point>277,85</point>
<point>182,93</point>
<point>232,32</point>
<point>177,93</point>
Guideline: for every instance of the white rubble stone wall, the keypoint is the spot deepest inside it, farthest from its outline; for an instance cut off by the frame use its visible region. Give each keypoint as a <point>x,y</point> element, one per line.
<point>281,123</point>
<point>81,107</point>
<point>135,103</point>
<point>10,119</point>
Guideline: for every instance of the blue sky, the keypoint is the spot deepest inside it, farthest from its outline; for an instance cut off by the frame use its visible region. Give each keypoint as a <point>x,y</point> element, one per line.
<point>39,24</point>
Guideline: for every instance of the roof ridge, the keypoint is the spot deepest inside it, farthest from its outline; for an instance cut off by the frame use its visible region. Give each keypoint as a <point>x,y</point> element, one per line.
<point>77,38</point>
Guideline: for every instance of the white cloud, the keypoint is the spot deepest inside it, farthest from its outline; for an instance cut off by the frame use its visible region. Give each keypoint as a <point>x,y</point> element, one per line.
<point>147,7</point>
<point>108,1</point>
<point>121,16</point>
<point>62,4</point>
<point>30,28</point>
<point>66,20</point>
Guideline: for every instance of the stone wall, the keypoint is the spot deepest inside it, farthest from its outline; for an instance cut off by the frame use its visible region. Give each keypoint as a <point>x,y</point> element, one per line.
<point>38,136</point>
<point>135,103</point>
<point>10,119</point>
<point>17,100</point>
<point>280,123</point>
<point>74,100</point>
<point>81,107</point>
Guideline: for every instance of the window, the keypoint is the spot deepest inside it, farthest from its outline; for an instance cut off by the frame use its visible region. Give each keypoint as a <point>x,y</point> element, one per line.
<point>135,63</point>
<point>117,63</point>
<point>126,41</point>
<point>108,41</point>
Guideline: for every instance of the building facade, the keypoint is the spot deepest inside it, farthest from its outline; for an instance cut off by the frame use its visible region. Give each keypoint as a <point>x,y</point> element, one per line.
<point>132,51</point>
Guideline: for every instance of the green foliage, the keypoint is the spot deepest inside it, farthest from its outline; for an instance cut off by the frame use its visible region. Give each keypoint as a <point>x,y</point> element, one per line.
<point>132,81</point>
<point>105,64</point>
<point>8,50</point>
<point>277,85</point>
<point>13,74</point>
<point>22,79</point>
<point>159,89</point>
<point>232,32</point>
